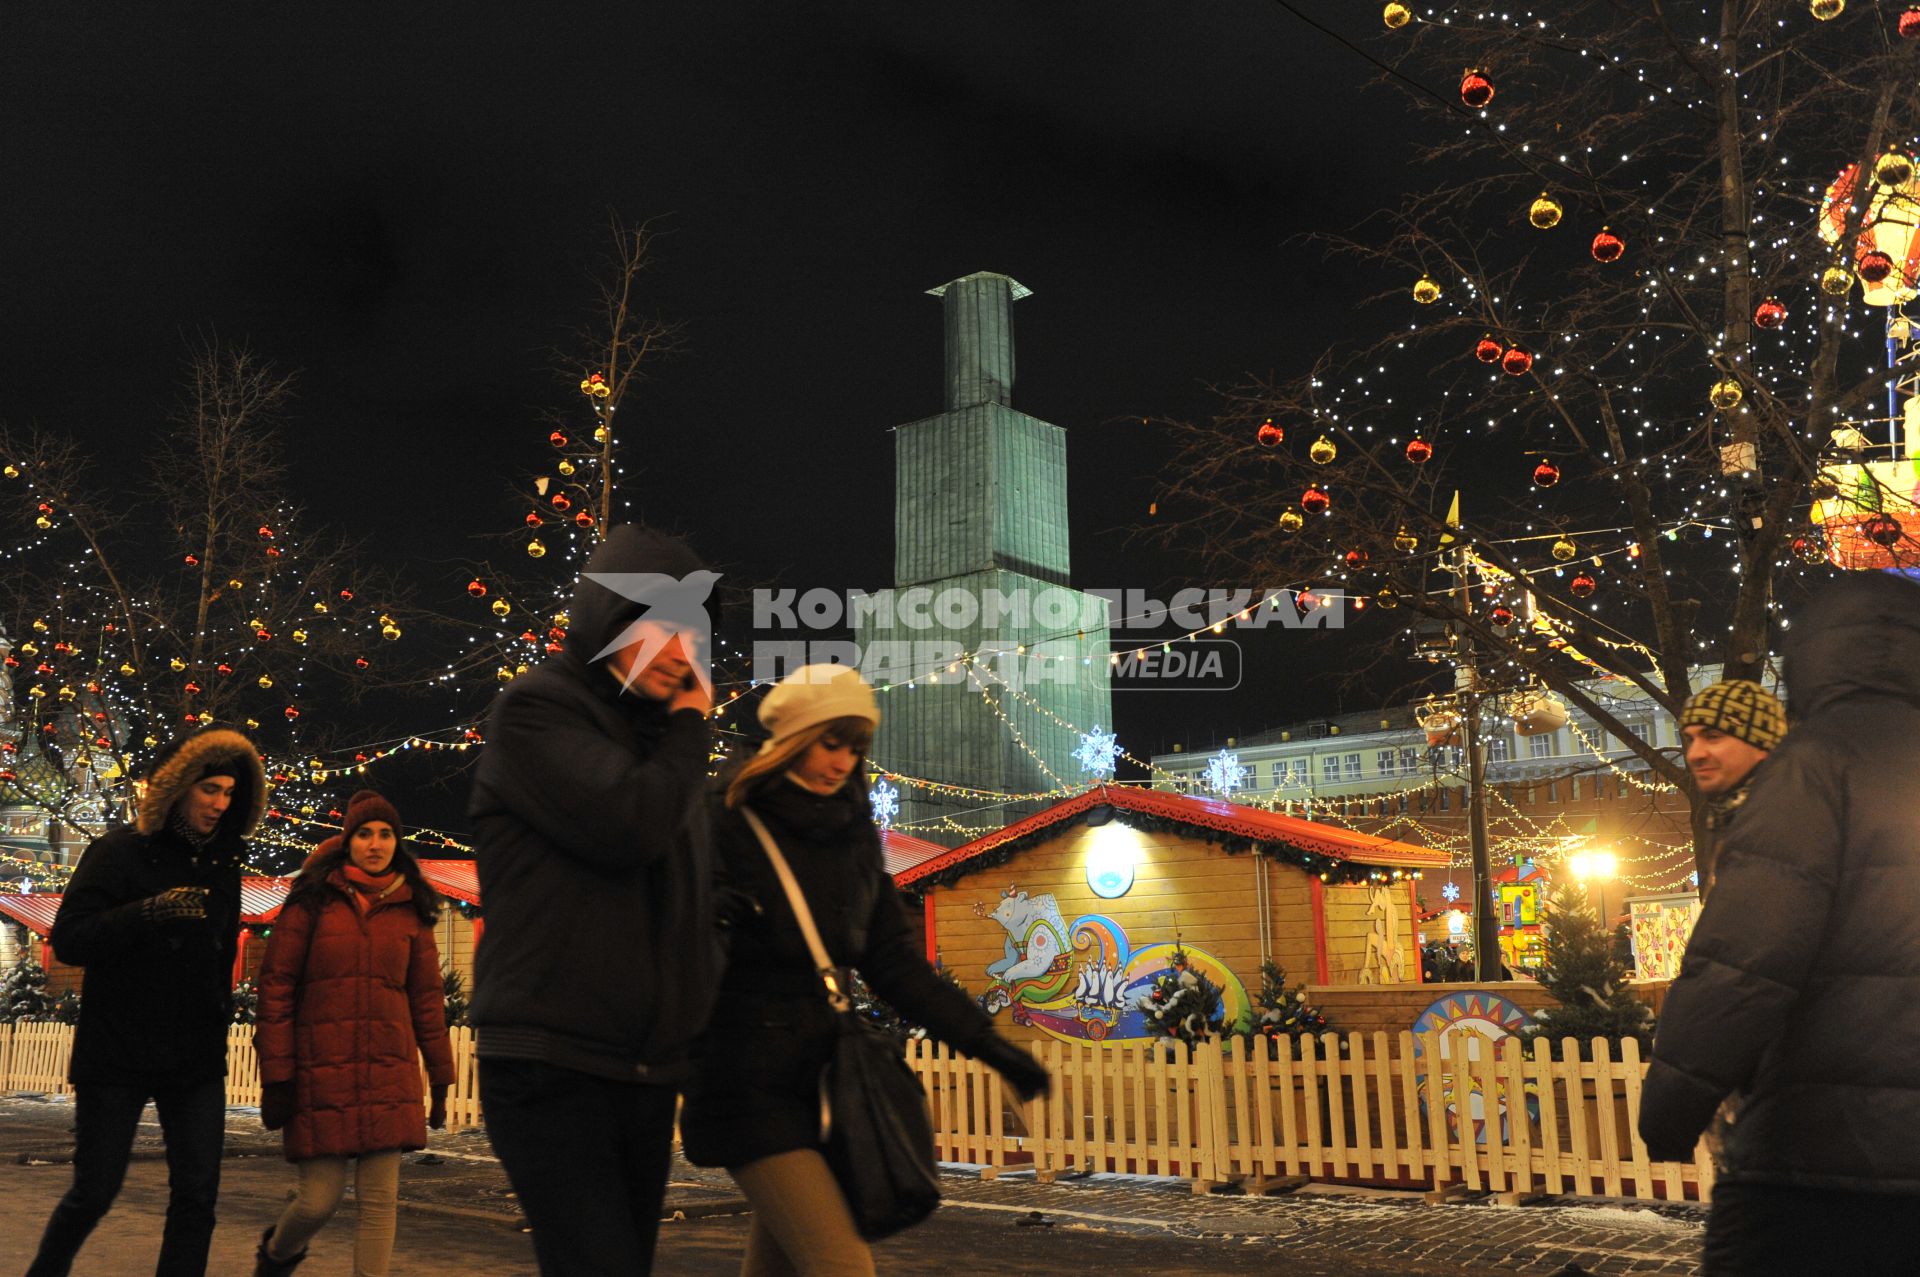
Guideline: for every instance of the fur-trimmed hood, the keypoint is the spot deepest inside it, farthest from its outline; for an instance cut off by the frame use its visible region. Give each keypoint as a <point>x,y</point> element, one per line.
<point>176,771</point>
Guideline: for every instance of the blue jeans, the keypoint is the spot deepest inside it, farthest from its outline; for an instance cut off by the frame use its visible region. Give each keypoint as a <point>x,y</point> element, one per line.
<point>193,1122</point>
<point>588,1158</point>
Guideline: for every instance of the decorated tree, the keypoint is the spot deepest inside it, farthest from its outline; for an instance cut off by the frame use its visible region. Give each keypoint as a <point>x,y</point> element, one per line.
<point>1584,971</point>
<point>1640,373</point>
<point>1182,1005</point>
<point>1280,1011</point>
<point>23,994</point>
<point>245,1001</point>
<point>453,988</point>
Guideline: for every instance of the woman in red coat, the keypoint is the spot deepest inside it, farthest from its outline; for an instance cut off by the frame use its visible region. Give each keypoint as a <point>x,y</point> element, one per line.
<point>350,998</point>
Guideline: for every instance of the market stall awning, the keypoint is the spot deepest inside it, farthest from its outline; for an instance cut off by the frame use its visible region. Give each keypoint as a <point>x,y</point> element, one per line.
<point>904,851</point>
<point>261,898</point>
<point>34,912</point>
<point>459,879</point>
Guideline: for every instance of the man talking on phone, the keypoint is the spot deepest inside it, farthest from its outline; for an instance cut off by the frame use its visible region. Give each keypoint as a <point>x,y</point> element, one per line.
<point>600,959</point>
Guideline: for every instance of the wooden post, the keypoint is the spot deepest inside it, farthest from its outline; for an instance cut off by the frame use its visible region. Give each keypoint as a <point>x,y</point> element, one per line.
<point>1317,897</point>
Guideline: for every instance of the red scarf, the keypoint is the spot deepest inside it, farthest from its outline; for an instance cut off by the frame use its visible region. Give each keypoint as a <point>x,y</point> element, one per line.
<point>368,889</point>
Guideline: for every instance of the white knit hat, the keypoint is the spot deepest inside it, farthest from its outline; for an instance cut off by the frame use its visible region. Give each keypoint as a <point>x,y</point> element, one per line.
<point>815,694</point>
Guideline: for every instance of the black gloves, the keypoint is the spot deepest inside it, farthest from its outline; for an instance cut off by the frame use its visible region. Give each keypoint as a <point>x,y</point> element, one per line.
<point>175,905</point>
<point>1026,1075</point>
<point>276,1104</point>
<point>735,909</point>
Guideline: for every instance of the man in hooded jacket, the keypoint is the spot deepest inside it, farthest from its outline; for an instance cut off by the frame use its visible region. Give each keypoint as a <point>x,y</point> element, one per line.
<point>600,957</point>
<point>1800,987</point>
<point>153,915</point>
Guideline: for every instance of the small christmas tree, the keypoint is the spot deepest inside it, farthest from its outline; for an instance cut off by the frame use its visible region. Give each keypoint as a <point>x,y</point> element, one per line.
<point>1183,1005</point>
<point>453,987</point>
<point>1584,971</point>
<point>1280,1011</point>
<point>867,1003</point>
<point>23,994</point>
<point>67,1009</point>
<point>246,1002</point>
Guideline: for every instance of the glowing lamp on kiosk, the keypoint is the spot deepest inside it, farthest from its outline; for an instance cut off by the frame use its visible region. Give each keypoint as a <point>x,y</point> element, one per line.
<point>1886,234</point>
<point>1110,863</point>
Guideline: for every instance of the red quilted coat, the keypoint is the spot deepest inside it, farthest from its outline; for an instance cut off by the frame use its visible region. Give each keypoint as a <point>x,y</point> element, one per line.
<point>348,1004</point>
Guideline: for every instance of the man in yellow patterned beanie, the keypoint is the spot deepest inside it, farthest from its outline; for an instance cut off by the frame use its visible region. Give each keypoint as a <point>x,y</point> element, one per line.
<point>1728,727</point>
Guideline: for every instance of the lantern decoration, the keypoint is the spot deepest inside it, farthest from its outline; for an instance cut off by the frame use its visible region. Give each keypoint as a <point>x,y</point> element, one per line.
<point>1404,541</point>
<point>1476,90</point>
<point>1874,266</point>
<point>1516,361</point>
<point>1269,435</point>
<point>535,549</point>
<point>1895,168</point>
<point>1564,549</point>
<point>1487,350</point>
<point>1315,500</point>
<point>1356,558</point>
<point>1770,313</point>
<point>501,607</point>
<point>1289,521</point>
<point>1835,281</point>
<point>1726,394</point>
<point>558,439</point>
<point>1582,584</point>
<point>1419,451</point>
<point>264,682</point>
<point>1545,212</point>
<point>1322,452</point>
<point>1397,15</point>
<point>1883,530</point>
<point>1546,474</point>
<point>1826,10</point>
<point>1887,227</point>
<point>1426,291</point>
<point>477,588</point>
<point>1501,615</point>
<point>1909,29</point>
<point>1608,247</point>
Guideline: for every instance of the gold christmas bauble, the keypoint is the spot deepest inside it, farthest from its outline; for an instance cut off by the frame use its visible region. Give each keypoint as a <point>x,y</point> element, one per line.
<point>536,548</point>
<point>1290,521</point>
<point>1404,541</point>
<point>176,665</point>
<point>126,669</point>
<point>299,636</point>
<point>1396,15</point>
<point>1564,549</point>
<point>265,682</point>
<point>504,674</point>
<point>1895,168</point>
<point>320,607</point>
<point>1835,281</point>
<point>1545,212</point>
<point>1726,394</point>
<point>1827,10</point>
<point>566,467</point>
<point>1387,597</point>
<point>1322,452</point>
<point>1426,291</point>
<point>501,607</point>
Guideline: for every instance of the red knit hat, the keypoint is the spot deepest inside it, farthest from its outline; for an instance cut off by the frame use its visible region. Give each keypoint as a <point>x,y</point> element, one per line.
<point>365,806</point>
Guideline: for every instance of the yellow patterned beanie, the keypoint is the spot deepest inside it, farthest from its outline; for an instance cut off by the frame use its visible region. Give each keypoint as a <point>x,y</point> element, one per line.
<point>1742,709</point>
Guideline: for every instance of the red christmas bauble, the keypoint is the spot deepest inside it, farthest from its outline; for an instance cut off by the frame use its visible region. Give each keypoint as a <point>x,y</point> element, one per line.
<point>1910,24</point>
<point>1487,350</point>
<point>557,439</point>
<point>1516,361</point>
<point>1419,451</point>
<point>560,501</point>
<point>193,560</point>
<point>1546,474</point>
<point>1501,614</point>
<point>1608,247</point>
<point>477,588</point>
<point>266,533</point>
<point>1770,313</point>
<point>1883,530</point>
<point>291,713</point>
<point>1356,558</point>
<point>533,518</point>
<point>346,596</point>
<point>1476,90</point>
<point>583,519</point>
<point>1582,585</point>
<point>1269,435</point>
<point>1315,500</point>
<point>361,662</point>
<point>1875,266</point>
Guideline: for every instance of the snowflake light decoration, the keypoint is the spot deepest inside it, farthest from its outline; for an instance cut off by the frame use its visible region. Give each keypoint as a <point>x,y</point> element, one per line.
<point>1098,751</point>
<point>1450,892</point>
<point>1224,774</point>
<point>886,803</point>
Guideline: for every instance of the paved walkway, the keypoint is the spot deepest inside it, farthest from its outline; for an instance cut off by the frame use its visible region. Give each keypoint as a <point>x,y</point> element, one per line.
<point>455,1191</point>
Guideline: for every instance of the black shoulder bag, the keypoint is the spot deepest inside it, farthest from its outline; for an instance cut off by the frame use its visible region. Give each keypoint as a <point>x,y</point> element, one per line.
<point>873,1112</point>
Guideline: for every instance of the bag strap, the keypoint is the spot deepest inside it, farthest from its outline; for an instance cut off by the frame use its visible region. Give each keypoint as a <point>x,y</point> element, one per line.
<point>823,964</point>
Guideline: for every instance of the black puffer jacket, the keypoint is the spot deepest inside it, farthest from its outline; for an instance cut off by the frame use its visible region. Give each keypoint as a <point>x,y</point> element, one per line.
<point>1801,984</point>
<point>754,1090</point>
<point>599,952</point>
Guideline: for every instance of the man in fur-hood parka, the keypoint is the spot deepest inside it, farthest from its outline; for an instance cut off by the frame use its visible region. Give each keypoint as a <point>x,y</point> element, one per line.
<point>153,916</point>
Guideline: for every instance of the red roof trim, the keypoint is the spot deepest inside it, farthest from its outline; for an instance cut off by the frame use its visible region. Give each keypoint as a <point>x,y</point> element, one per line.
<point>1254,823</point>
<point>34,912</point>
<point>457,878</point>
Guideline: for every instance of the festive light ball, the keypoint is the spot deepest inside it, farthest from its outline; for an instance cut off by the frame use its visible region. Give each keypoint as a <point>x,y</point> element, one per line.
<point>223,668</point>
<point>1426,291</point>
<point>1827,10</point>
<point>1895,168</point>
<point>1404,541</point>
<point>1875,266</point>
<point>1356,558</point>
<point>265,682</point>
<point>561,502</point>
<point>1770,313</point>
<point>42,522</point>
<point>1909,29</point>
<point>503,674</point>
<point>533,519</point>
<point>600,434</point>
<point>300,636</point>
<point>1608,247</point>
<point>12,471</point>
<point>583,520</point>
<point>346,596</point>
<point>1582,585</point>
<point>192,560</point>
<point>558,439</point>
<point>1476,90</point>
<point>1269,435</point>
<point>266,533</point>
<point>1396,15</point>
<point>566,467</point>
<point>1835,281</point>
<point>291,713</point>
<point>501,607</point>
<point>1419,451</point>
<point>1810,547</point>
<point>477,588</point>
<point>1883,530</point>
<point>1315,500</point>
<point>1388,597</point>
<point>1726,394</point>
<point>126,669</point>
<point>1545,212</point>
<point>361,663</point>
<point>1546,474</point>
<point>1564,549</point>
<point>192,688</point>
<point>1501,615</point>
<point>1289,521</point>
<point>1516,361</point>
<point>1322,452</point>
<point>176,665</point>
<point>1487,350</point>
<point>535,549</point>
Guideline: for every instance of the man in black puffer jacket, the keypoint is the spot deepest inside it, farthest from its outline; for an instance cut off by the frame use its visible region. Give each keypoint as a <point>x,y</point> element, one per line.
<point>1801,984</point>
<point>600,958</point>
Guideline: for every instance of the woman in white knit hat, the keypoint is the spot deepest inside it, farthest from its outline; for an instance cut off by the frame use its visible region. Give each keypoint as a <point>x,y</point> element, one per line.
<point>753,1104</point>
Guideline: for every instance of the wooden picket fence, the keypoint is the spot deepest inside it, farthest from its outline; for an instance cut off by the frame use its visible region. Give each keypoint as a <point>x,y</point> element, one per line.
<point>1436,1111</point>
<point>1379,1109</point>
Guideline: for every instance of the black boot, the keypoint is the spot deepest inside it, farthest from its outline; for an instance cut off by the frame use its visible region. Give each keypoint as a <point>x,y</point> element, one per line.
<point>265,1265</point>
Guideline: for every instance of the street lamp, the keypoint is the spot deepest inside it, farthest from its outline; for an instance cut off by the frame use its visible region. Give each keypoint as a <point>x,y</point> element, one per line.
<point>1597,866</point>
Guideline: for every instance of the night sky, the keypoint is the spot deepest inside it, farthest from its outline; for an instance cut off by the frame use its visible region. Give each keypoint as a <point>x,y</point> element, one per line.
<point>407,202</point>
